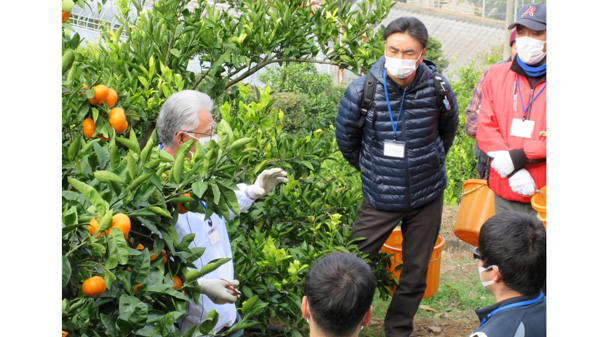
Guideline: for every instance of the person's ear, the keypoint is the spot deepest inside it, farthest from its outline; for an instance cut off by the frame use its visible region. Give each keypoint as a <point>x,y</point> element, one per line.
<point>368,317</point>
<point>304,307</point>
<point>497,277</point>
<point>179,138</point>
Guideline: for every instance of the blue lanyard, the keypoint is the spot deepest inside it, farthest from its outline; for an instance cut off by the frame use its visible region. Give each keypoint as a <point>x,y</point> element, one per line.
<point>394,126</point>
<point>530,103</point>
<point>517,304</point>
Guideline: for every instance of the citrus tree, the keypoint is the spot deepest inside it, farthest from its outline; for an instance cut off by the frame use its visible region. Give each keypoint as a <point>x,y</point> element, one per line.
<point>125,270</point>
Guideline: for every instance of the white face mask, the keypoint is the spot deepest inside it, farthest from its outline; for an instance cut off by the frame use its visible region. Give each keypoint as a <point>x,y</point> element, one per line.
<point>401,68</point>
<point>530,50</point>
<point>486,283</point>
<point>204,140</point>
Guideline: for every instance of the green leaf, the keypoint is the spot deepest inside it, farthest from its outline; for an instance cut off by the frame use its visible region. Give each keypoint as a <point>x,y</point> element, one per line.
<point>140,180</point>
<point>249,304</point>
<point>109,324</point>
<point>73,148</point>
<point>185,242</point>
<point>209,323</point>
<point>102,154</point>
<point>191,274</point>
<point>199,188</point>
<point>160,211</point>
<point>176,52</point>
<point>132,145</point>
<point>115,157</point>
<point>239,143</point>
<point>133,314</point>
<point>70,216</point>
<point>147,149</point>
<point>107,177</point>
<point>117,246</point>
<point>216,193</point>
<point>166,322</point>
<point>180,156</point>
<point>90,194</point>
<point>66,271</point>
<point>165,156</point>
<point>232,201</point>
<point>131,166</point>
<point>194,253</point>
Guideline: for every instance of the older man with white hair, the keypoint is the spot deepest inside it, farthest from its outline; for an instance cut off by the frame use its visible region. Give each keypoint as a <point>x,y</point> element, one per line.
<point>184,116</point>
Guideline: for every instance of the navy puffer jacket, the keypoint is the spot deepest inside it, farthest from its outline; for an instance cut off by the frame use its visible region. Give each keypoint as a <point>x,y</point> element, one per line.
<point>398,184</point>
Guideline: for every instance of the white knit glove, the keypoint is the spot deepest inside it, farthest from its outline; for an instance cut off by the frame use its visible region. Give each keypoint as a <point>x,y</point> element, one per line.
<point>265,182</point>
<point>502,163</point>
<point>522,183</point>
<point>218,292</point>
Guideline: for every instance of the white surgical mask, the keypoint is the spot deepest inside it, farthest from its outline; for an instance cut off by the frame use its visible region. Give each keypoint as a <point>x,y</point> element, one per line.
<point>486,283</point>
<point>401,68</point>
<point>204,140</point>
<point>530,50</point>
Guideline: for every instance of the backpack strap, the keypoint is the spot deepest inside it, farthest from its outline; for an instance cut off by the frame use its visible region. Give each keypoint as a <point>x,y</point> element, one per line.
<point>367,98</point>
<point>441,92</point>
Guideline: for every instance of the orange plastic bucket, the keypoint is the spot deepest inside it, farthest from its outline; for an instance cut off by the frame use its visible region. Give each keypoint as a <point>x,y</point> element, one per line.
<point>538,202</point>
<point>393,245</point>
<point>476,206</point>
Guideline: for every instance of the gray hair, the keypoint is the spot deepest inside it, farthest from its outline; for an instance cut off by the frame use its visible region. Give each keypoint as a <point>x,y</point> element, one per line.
<point>180,112</point>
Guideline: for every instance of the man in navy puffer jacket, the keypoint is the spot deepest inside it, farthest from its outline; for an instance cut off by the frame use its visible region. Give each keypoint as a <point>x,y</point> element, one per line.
<point>401,152</point>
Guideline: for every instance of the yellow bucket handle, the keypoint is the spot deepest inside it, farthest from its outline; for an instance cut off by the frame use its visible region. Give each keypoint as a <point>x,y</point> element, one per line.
<point>473,190</point>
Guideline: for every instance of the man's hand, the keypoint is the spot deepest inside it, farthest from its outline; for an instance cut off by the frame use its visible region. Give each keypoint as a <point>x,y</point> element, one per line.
<point>522,183</point>
<point>502,163</point>
<point>265,182</point>
<point>219,290</point>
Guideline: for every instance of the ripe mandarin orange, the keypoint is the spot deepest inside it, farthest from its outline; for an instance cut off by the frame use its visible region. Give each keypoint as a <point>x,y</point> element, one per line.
<point>122,222</point>
<point>180,207</point>
<point>94,226</point>
<point>65,16</point>
<point>178,282</point>
<point>111,97</point>
<point>93,286</point>
<point>89,127</point>
<point>139,246</point>
<point>116,118</point>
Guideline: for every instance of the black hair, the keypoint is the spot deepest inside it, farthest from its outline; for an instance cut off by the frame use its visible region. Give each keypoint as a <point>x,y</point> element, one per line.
<point>340,287</point>
<point>516,243</point>
<point>408,25</point>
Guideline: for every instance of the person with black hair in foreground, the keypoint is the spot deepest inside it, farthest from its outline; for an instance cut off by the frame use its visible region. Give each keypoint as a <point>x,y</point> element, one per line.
<point>338,293</point>
<point>512,266</point>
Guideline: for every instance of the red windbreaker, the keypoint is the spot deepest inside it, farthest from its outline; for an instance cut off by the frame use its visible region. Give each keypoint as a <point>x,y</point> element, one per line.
<point>496,116</point>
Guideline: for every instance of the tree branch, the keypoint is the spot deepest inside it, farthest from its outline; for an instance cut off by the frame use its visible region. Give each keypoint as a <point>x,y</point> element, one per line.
<point>267,62</point>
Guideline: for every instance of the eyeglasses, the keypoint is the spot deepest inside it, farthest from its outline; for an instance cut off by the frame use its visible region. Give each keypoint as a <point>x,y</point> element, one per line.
<point>476,253</point>
<point>211,130</point>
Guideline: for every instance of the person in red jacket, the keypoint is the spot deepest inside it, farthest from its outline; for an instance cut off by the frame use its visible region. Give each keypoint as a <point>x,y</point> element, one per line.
<point>512,116</point>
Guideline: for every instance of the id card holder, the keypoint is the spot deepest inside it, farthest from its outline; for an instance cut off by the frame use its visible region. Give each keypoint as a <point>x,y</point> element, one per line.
<point>213,235</point>
<point>522,128</point>
<point>394,149</point>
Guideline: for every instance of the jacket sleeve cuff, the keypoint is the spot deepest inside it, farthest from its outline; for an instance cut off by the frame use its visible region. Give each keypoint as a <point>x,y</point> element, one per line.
<point>518,158</point>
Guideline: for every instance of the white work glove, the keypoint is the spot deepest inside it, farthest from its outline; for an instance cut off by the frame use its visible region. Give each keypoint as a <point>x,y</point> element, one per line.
<point>522,183</point>
<point>265,182</point>
<point>502,163</point>
<point>217,291</point>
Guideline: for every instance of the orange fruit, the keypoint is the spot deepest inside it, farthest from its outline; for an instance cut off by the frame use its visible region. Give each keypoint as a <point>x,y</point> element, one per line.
<point>93,286</point>
<point>111,97</point>
<point>83,89</point>
<point>103,138</point>
<point>89,127</point>
<point>116,118</point>
<point>178,282</point>
<point>136,286</point>
<point>153,256</point>
<point>94,101</point>
<point>139,246</point>
<point>94,226</point>
<point>100,92</point>
<point>122,222</point>
<point>65,16</point>
<point>180,207</point>
<point>164,255</point>
<point>64,333</point>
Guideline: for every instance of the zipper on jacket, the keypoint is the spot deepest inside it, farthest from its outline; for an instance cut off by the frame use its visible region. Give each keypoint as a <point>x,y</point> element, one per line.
<point>408,196</point>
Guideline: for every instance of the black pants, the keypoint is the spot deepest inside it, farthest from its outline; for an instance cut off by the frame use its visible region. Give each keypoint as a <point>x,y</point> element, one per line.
<point>420,229</point>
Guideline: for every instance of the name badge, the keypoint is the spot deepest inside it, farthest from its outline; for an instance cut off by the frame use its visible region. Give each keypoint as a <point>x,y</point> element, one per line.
<point>213,235</point>
<point>394,149</point>
<point>522,128</point>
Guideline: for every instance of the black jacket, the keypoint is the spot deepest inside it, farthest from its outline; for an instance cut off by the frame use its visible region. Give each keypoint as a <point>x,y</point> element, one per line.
<point>398,184</point>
